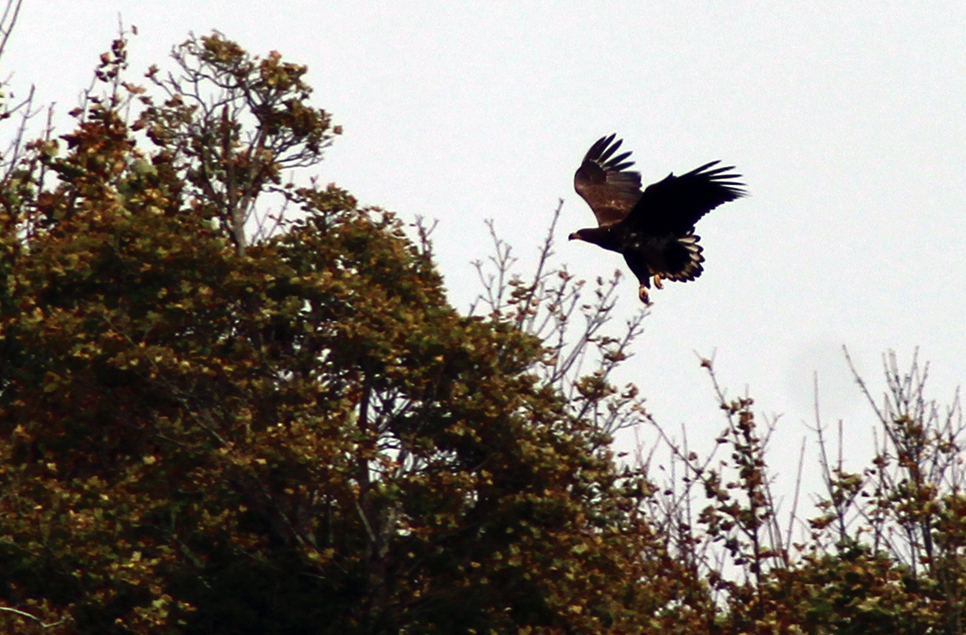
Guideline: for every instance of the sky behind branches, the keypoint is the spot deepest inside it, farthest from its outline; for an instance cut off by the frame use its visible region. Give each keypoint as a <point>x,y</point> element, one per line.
<point>845,118</point>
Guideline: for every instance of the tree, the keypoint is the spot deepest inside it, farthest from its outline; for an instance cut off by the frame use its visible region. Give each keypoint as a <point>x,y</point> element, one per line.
<point>883,554</point>
<point>205,431</point>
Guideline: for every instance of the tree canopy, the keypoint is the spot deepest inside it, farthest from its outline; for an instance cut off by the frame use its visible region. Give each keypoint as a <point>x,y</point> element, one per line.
<point>207,433</point>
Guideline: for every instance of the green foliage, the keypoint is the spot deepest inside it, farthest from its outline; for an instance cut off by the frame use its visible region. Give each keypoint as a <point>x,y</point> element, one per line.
<point>204,433</point>
<point>885,554</point>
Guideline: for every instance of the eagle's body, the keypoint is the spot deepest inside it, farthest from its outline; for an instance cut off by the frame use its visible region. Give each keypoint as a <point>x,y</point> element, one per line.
<point>653,229</point>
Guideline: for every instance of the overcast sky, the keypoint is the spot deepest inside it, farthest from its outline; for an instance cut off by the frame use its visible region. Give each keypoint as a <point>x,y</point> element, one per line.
<point>847,120</point>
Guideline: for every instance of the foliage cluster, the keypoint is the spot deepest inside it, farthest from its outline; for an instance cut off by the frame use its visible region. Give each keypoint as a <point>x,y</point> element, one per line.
<point>207,433</point>
<point>220,418</point>
<point>886,552</point>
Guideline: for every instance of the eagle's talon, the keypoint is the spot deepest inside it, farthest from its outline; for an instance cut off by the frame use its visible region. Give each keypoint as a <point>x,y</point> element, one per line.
<point>657,281</point>
<point>642,294</point>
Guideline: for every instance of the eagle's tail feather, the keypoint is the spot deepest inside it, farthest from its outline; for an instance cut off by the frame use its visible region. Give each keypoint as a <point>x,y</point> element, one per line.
<point>684,259</point>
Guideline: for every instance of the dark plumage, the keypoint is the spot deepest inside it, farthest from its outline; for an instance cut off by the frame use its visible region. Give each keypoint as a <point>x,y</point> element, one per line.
<point>653,229</point>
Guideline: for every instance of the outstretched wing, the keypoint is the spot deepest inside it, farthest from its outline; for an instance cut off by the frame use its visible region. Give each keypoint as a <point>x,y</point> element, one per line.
<point>605,183</point>
<point>675,204</point>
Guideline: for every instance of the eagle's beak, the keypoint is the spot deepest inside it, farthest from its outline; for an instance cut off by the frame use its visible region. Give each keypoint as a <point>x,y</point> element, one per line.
<point>573,236</point>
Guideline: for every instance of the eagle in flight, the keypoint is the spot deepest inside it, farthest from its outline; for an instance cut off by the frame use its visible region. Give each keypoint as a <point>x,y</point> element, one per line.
<point>653,229</point>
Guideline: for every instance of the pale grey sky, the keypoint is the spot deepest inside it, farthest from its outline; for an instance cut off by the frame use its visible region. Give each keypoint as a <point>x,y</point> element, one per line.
<point>847,120</point>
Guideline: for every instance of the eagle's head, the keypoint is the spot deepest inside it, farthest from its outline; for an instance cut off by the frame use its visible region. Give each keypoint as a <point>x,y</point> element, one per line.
<point>601,236</point>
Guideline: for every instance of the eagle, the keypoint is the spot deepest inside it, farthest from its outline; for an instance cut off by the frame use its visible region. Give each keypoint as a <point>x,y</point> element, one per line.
<point>653,229</point>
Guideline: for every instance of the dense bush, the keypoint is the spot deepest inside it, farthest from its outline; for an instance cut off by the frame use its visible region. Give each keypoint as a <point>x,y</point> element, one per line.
<point>207,433</point>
